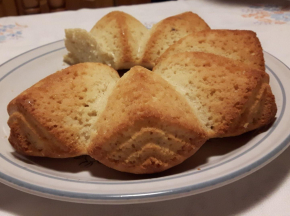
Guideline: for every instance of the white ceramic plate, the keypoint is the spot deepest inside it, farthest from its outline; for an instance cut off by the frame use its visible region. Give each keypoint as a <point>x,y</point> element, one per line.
<point>81,179</point>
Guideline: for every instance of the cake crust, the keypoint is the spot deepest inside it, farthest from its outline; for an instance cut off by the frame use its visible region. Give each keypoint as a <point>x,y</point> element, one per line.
<point>147,126</point>
<point>166,32</point>
<point>54,117</point>
<point>121,41</point>
<point>239,45</point>
<point>229,97</point>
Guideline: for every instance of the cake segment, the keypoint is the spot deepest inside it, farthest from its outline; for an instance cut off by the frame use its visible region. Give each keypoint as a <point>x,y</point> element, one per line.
<point>146,127</point>
<point>121,41</point>
<point>56,116</point>
<point>239,45</point>
<point>227,96</point>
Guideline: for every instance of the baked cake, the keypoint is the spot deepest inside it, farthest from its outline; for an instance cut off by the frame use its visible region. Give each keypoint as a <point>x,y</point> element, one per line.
<point>121,41</point>
<point>56,116</point>
<point>204,84</point>
<point>114,40</point>
<point>147,126</point>
<point>240,45</point>
<point>165,33</point>
<point>229,97</point>
<point>143,122</point>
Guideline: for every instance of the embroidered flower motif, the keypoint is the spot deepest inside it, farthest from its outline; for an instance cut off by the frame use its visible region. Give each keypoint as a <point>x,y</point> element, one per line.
<point>281,16</point>
<point>12,31</point>
<point>2,38</point>
<point>268,14</point>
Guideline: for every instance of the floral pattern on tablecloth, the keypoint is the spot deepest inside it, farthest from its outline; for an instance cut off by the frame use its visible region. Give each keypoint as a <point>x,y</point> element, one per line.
<point>11,32</point>
<point>268,14</point>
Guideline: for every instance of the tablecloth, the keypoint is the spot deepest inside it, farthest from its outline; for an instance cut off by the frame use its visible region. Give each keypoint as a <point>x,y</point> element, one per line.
<point>265,192</point>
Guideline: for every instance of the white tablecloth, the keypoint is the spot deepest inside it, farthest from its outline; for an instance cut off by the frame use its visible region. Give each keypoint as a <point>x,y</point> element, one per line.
<point>265,192</point>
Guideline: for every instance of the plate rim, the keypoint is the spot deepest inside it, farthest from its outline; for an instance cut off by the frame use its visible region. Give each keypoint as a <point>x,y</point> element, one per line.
<point>208,185</point>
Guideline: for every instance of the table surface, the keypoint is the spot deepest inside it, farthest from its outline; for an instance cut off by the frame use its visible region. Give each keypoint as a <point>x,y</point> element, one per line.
<point>264,192</point>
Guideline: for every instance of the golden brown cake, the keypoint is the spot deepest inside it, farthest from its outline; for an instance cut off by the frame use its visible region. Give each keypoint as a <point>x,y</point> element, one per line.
<point>165,33</point>
<point>55,117</point>
<point>205,84</point>
<point>114,40</point>
<point>121,41</point>
<point>147,126</point>
<point>143,122</point>
<point>228,97</point>
<point>240,45</point>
